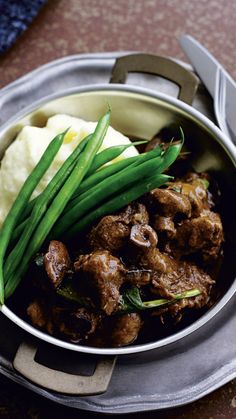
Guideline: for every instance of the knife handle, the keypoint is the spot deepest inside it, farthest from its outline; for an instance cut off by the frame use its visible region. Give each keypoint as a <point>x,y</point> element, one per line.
<point>159,66</point>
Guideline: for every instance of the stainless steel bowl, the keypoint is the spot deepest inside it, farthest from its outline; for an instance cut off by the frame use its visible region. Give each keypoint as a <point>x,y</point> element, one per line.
<point>139,112</point>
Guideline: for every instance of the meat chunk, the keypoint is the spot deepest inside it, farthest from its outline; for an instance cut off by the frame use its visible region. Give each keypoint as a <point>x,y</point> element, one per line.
<point>74,325</point>
<point>169,203</point>
<point>187,196</point>
<point>139,277</point>
<point>112,232</point>
<point>71,324</point>
<point>57,262</point>
<point>135,213</point>
<point>105,274</point>
<point>125,329</point>
<point>194,189</point>
<point>155,142</point>
<point>40,316</point>
<point>170,277</point>
<point>202,234</point>
<point>109,234</point>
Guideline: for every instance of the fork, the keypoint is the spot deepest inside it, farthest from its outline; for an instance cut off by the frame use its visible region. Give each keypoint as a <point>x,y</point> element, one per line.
<point>220,101</point>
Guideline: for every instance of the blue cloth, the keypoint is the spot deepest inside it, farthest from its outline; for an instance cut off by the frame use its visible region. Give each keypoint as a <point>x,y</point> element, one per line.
<point>15,17</point>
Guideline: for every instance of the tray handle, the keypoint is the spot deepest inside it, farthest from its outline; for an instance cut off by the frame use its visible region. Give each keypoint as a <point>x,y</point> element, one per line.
<point>160,66</point>
<point>59,381</point>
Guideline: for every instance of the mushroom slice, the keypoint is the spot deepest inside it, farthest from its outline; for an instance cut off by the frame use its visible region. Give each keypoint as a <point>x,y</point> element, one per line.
<point>164,225</point>
<point>143,235</point>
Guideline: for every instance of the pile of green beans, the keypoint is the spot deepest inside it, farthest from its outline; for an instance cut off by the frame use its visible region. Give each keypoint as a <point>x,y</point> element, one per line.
<point>23,197</point>
<point>82,191</point>
<point>43,227</point>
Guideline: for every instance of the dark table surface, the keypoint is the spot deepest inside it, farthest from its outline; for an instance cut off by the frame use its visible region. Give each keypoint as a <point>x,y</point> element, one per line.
<point>66,27</point>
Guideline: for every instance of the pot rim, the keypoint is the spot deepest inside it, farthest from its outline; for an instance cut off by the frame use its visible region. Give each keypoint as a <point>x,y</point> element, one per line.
<point>228,147</point>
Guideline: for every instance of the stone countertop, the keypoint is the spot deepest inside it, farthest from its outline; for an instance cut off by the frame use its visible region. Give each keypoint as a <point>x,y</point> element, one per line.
<point>67,27</point>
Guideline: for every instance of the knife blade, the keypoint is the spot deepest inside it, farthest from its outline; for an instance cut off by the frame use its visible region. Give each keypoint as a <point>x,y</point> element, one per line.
<point>207,68</point>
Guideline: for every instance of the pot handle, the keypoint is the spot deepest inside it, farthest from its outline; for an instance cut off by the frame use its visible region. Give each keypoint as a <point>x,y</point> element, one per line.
<point>59,381</point>
<point>160,66</point>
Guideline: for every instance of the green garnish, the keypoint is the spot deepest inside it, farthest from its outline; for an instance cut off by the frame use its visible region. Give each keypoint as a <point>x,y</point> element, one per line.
<point>70,293</point>
<point>131,300</point>
<point>176,189</point>
<point>205,183</point>
<point>39,259</point>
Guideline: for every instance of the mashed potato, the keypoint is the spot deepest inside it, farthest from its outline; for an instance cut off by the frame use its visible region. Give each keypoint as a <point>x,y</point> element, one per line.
<point>24,153</point>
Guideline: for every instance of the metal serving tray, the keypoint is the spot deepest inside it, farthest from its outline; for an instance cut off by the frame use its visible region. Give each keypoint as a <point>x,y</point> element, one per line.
<point>163,378</point>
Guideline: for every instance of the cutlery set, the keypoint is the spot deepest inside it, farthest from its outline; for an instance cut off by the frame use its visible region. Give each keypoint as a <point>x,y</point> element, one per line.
<point>218,82</point>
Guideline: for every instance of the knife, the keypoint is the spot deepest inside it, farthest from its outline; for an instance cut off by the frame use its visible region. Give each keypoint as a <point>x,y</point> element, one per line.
<point>217,81</point>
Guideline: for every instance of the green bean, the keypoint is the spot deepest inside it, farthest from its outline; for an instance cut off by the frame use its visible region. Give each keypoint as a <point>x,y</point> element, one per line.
<point>54,185</point>
<point>40,207</point>
<point>103,173</point>
<point>170,154</point>
<point>66,167</point>
<point>18,232</point>
<point>110,154</point>
<point>107,171</point>
<point>60,201</point>
<point>22,199</point>
<point>104,190</point>
<point>118,202</point>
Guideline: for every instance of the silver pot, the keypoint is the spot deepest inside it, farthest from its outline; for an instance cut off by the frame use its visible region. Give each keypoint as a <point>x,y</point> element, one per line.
<point>137,112</point>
